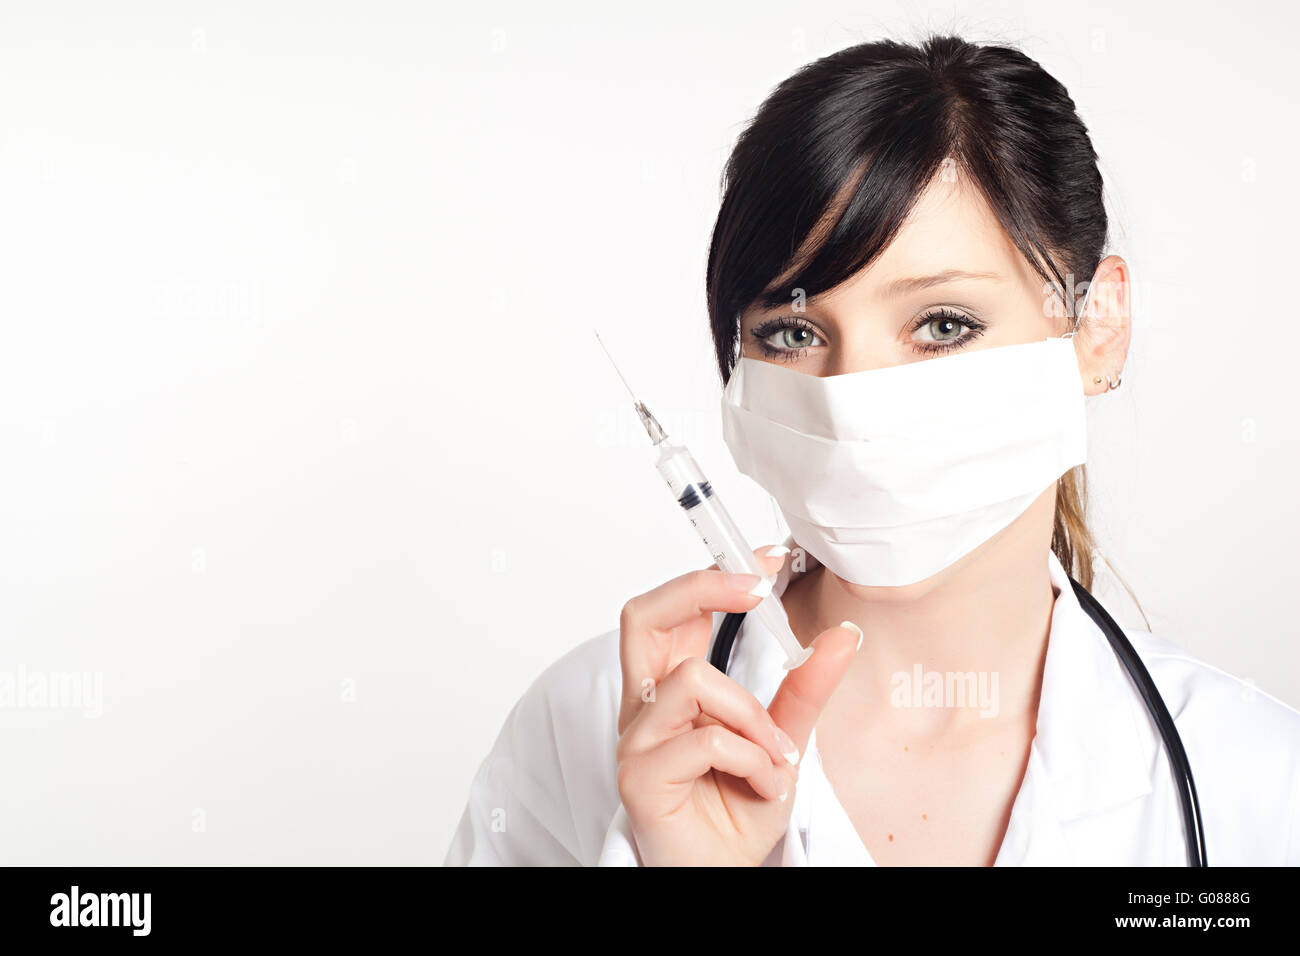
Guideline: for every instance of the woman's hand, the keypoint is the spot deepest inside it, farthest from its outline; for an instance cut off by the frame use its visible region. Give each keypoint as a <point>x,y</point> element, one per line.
<point>705,773</point>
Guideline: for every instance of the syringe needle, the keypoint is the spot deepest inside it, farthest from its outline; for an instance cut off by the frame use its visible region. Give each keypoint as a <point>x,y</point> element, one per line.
<point>648,421</point>
<point>616,368</point>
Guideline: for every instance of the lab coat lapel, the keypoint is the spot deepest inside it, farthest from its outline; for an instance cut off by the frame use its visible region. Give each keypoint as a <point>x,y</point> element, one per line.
<point>1094,749</point>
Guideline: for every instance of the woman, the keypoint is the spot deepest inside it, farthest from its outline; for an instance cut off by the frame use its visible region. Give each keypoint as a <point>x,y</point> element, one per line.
<point>902,250</point>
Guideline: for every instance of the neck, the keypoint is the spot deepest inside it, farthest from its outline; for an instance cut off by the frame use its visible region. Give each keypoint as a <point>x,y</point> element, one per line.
<point>988,615</point>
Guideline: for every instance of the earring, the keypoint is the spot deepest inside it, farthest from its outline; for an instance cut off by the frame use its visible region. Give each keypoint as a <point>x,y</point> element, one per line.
<point>1114,384</point>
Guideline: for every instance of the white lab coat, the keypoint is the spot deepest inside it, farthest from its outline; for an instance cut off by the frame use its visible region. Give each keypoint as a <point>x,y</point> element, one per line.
<point>1098,788</point>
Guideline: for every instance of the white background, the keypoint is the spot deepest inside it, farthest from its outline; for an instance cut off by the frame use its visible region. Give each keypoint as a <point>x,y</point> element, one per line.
<point>310,455</point>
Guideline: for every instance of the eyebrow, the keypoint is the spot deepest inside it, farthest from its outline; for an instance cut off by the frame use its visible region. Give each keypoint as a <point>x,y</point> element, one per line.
<point>903,286</point>
<point>778,297</point>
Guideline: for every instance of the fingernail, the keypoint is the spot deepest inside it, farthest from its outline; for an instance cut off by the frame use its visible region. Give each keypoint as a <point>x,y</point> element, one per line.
<point>762,588</point>
<point>857,630</point>
<point>778,784</point>
<point>787,746</point>
<point>778,551</point>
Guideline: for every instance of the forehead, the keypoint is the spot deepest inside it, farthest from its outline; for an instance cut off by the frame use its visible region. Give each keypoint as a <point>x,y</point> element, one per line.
<point>950,227</point>
<point>952,224</point>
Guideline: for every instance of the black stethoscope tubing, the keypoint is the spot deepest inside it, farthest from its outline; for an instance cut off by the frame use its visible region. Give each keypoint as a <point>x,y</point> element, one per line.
<point>1193,830</point>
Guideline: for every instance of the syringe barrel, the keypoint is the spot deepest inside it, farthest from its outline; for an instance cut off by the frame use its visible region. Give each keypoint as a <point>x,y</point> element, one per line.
<point>723,539</point>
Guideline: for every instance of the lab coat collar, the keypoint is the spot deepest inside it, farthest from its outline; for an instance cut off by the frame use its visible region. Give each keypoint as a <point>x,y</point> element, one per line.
<point>1095,737</point>
<point>1094,747</point>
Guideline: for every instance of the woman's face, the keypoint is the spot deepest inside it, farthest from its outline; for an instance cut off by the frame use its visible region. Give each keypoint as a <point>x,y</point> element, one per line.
<point>950,281</point>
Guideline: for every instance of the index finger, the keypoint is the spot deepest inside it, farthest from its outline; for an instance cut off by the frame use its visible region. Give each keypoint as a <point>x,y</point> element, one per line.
<point>662,627</point>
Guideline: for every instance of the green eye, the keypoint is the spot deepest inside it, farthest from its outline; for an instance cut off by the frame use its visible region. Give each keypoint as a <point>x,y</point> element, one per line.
<point>797,338</point>
<point>786,337</point>
<point>943,329</point>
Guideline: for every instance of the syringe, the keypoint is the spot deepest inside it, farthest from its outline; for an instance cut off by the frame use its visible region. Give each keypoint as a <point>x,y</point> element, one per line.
<point>712,522</point>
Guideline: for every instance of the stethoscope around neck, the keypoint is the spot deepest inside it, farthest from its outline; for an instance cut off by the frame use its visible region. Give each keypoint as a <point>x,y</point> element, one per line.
<point>1193,832</point>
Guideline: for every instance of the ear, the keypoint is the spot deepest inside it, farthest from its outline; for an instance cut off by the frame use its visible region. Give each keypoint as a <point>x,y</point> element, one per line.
<point>1105,326</point>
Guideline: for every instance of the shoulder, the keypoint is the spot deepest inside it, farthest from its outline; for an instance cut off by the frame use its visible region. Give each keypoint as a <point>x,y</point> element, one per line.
<point>575,699</point>
<point>546,791</point>
<point>1243,745</point>
<point>564,729</point>
<point>1198,689</point>
<point>580,691</point>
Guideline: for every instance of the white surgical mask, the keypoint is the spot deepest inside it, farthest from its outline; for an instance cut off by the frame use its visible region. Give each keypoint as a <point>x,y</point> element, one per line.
<point>889,475</point>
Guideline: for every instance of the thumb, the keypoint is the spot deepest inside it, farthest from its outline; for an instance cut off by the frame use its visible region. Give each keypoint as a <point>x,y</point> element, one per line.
<point>803,694</point>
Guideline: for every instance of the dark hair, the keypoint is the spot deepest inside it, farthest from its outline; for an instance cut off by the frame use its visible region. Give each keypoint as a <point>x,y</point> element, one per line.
<point>827,171</point>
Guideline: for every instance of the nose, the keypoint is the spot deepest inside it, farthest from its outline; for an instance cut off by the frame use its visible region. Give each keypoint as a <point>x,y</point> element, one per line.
<point>845,360</point>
